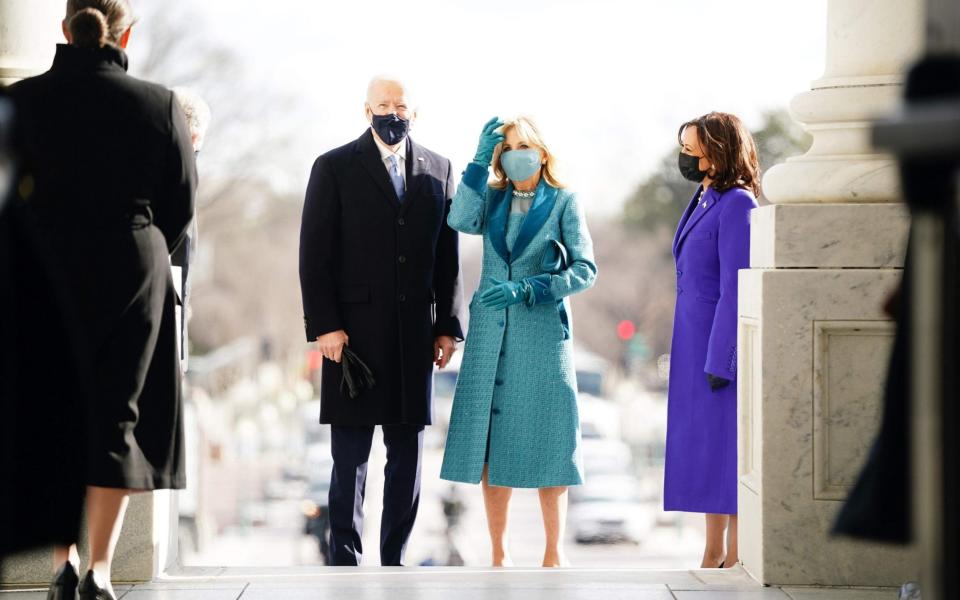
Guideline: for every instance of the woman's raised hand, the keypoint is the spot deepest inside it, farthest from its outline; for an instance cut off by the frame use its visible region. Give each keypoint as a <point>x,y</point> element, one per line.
<point>489,139</point>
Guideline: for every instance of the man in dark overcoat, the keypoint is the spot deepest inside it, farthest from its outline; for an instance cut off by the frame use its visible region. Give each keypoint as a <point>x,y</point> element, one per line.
<point>380,273</point>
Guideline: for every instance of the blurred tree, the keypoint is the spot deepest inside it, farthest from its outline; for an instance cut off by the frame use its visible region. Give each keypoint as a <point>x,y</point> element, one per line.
<point>246,282</point>
<point>660,199</point>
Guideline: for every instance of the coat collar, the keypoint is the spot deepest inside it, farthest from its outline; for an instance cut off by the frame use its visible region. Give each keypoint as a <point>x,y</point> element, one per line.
<point>533,221</point>
<point>697,208</point>
<point>417,165</point>
<point>71,58</point>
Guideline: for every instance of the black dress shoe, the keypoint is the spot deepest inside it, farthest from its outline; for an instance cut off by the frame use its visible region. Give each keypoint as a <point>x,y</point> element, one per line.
<point>64,585</point>
<point>89,590</point>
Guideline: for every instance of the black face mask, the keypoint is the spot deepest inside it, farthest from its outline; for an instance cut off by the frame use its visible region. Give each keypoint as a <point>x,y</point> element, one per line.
<point>391,128</point>
<point>690,167</point>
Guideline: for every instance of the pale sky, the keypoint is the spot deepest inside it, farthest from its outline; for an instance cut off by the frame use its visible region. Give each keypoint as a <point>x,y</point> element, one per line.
<point>609,81</point>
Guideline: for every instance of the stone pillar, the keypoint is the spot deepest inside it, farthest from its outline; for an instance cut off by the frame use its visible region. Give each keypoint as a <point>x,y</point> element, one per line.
<point>29,33</point>
<point>147,547</point>
<point>814,342</point>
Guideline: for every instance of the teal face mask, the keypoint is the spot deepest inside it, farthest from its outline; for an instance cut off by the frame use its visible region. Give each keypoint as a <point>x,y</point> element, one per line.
<point>520,165</point>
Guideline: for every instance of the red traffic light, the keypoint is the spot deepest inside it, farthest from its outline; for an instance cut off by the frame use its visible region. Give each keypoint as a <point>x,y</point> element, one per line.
<point>626,330</point>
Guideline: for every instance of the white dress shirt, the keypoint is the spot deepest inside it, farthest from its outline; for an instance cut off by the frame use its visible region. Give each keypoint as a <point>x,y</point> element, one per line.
<point>401,154</point>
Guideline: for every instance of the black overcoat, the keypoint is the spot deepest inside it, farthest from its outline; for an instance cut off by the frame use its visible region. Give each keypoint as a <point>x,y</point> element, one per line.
<point>109,175</point>
<point>387,272</point>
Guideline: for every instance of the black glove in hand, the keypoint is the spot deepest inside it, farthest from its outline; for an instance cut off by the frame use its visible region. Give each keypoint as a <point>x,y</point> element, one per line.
<point>717,383</point>
<point>356,374</point>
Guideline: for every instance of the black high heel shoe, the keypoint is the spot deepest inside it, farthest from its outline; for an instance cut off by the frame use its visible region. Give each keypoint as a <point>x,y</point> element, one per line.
<point>89,590</point>
<point>64,585</point>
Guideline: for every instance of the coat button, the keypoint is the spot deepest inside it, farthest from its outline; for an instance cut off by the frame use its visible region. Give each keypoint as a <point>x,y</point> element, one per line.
<point>501,353</point>
<point>401,222</point>
<point>495,411</point>
<point>500,323</point>
<point>679,273</point>
<point>402,298</point>
<point>498,382</point>
<point>402,259</point>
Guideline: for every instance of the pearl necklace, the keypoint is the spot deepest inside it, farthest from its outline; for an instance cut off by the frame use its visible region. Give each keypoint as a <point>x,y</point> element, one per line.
<point>520,194</point>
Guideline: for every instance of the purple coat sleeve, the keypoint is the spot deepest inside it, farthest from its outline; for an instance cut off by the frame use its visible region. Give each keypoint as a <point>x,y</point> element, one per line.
<point>734,248</point>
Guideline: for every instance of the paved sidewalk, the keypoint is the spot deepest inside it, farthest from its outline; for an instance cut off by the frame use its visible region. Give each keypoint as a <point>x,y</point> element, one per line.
<point>451,583</point>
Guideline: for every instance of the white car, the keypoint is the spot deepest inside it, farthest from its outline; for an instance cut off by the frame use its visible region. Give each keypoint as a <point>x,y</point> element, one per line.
<point>605,457</point>
<point>610,509</point>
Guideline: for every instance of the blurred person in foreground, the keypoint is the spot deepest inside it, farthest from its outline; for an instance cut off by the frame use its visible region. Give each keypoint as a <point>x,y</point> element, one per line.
<point>515,422</point>
<point>712,244</point>
<point>112,190</point>
<point>41,387</point>
<point>197,112</point>
<point>380,272</point>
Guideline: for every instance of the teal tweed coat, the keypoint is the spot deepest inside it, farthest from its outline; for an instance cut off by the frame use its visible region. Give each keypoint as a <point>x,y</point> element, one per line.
<point>517,385</point>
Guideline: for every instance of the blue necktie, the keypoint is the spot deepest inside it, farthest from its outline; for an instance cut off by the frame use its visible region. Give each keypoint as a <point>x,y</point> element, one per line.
<point>395,177</point>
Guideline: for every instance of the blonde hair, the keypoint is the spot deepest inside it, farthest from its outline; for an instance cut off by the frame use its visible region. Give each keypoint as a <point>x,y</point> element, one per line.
<point>98,23</point>
<point>528,132</point>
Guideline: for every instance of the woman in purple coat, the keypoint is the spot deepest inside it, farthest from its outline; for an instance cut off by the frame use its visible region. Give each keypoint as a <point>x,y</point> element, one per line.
<point>712,243</point>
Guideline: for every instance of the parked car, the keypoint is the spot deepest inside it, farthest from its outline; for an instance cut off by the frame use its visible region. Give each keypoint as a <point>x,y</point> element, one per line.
<point>606,457</point>
<point>610,509</point>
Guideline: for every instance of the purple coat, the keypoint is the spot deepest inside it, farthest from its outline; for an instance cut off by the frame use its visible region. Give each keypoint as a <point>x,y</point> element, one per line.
<point>711,245</point>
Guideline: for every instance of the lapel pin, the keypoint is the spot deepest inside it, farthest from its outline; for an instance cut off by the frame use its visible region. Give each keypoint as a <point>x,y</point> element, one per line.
<point>420,158</point>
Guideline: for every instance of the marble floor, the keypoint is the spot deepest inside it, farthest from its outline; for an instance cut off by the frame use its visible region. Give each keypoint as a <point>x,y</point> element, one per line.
<point>445,583</point>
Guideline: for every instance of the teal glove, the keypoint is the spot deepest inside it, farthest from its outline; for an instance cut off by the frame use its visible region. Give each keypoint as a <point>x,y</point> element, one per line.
<point>489,139</point>
<point>505,293</point>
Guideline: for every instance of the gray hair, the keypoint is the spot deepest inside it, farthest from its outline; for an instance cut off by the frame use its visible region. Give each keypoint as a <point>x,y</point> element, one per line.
<point>196,110</point>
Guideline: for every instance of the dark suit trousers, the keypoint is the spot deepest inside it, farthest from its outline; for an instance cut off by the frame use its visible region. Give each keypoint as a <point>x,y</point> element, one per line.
<point>350,447</point>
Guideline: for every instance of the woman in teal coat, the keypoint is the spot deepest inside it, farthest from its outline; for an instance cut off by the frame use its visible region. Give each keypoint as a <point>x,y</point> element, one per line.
<point>515,422</point>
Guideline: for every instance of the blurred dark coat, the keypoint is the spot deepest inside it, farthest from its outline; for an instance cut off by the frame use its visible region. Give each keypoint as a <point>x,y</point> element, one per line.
<point>880,505</point>
<point>110,179</point>
<point>42,490</point>
<point>386,272</point>
<point>41,395</point>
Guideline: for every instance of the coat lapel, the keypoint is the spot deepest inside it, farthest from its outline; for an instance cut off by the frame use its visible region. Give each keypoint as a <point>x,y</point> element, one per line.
<point>691,205</point>
<point>417,166</point>
<point>695,212</point>
<point>497,211</point>
<point>538,214</point>
<point>373,163</point>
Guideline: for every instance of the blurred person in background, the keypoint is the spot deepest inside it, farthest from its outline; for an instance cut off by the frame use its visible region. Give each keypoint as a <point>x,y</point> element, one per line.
<point>197,112</point>
<point>380,272</point>
<point>711,245</point>
<point>515,422</point>
<point>112,181</point>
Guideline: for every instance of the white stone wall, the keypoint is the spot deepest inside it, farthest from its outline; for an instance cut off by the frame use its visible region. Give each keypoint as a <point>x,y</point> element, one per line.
<point>813,339</point>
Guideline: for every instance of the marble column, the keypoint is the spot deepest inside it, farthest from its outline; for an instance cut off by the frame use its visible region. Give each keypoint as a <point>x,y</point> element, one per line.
<point>29,33</point>
<point>814,342</point>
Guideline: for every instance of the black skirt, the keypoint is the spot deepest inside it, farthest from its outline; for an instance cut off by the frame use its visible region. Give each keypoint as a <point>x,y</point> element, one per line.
<point>124,291</point>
